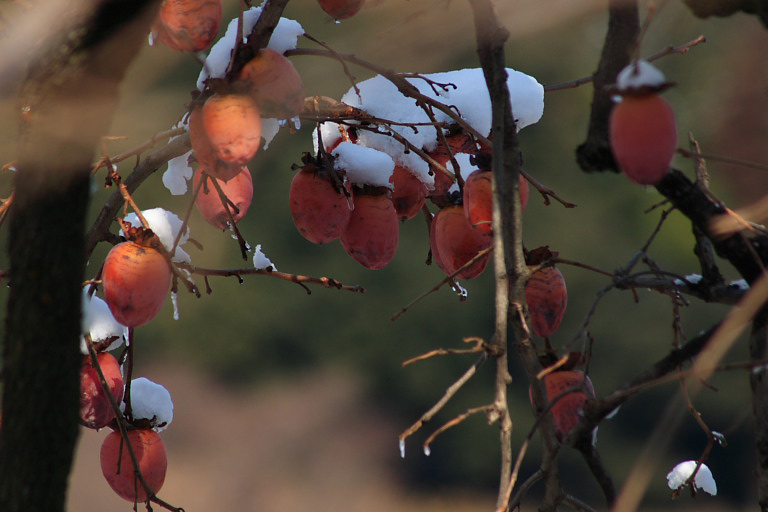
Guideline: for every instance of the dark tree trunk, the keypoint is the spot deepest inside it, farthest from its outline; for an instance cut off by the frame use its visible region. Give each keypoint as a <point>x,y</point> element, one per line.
<point>68,99</point>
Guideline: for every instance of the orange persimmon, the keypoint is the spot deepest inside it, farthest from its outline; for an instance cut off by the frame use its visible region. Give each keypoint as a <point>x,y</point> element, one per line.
<point>274,83</point>
<point>643,136</point>
<point>547,298</point>
<point>188,25</point>
<point>320,211</point>
<point>455,242</point>
<point>232,123</point>
<point>341,9</point>
<point>409,193</point>
<point>136,281</point>
<point>478,199</point>
<point>95,407</point>
<point>239,192</point>
<point>117,466</point>
<point>567,411</point>
<point>372,235</point>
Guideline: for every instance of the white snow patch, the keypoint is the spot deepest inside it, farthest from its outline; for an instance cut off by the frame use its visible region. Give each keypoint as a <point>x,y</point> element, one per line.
<point>363,165</point>
<point>742,284</point>
<point>151,401</point>
<point>177,175</point>
<point>285,37</point>
<point>260,260</point>
<point>166,226</point>
<point>640,74</point>
<point>683,471</point>
<point>465,167</point>
<point>97,320</point>
<point>269,128</point>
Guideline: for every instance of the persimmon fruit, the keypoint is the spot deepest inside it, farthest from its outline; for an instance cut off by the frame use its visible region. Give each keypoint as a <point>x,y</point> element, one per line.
<point>117,466</point>
<point>320,211</point>
<point>567,411</point>
<point>274,83</point>
<point>136,281</point>
<point>547,298</point>
<point>409,193</point>
<point>188,25</point>
<point>232,123</point>
<point>455,242</point>
<point>478,199</point>
<point>373,232</point>
<point>205,153</point>
<point>341,9</point>
<point>643,137</point>
<point>239,192</point>
<point>95,408</point>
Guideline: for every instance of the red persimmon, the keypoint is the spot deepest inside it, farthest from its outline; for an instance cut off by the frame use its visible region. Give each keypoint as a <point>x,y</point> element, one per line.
<point>95,408</point>
<point>455,242</point>
<point>239,192</point>
<point>136,281</point>
<point>372,235</point>
<point>118,469</point>
<point>643,137</point>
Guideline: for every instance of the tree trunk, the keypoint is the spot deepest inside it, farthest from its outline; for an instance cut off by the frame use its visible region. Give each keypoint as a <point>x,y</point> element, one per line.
<point>67,100</point>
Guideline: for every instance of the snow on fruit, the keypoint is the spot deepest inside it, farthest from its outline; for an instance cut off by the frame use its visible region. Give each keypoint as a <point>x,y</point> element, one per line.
<point>118,469</point>
<point>136,280</point>
<point>95,407</point>
<point>238,192</point>
<point>643,131</point>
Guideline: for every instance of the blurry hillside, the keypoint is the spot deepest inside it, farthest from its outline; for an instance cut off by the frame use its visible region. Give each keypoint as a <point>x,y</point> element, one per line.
<point>281,395</point>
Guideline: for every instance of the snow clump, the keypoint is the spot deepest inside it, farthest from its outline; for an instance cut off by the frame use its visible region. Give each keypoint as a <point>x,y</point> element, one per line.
<point>151,401</point>
<point>683,471</point>
<point>99,323</point>
<point>364,165</point>
<point>640,74</point>
<point>260,260</point>
<point>166,225</point>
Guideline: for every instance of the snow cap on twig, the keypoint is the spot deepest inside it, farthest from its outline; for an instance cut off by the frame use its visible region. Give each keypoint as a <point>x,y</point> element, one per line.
<point>683,471</point>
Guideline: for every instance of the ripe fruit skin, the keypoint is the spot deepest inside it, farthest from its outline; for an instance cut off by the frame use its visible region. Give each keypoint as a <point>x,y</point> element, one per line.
<point>275,84</point>
<point>455,242</point>
<point>459,143</point>
<point>478,199</point>
<point>372,235</point>
<point>188,25</point>
<point>204,150</point>
<point>341,9</point>
<point>150,455</point>
<point>239,190</point>
<point>409,193</point>
<point>320,213</point>
<point>547,297</point>
<point>567,411</point>
<point>136,281</point>
<point>95,408</point>
<point>232,123</point>
<point>643,137</point>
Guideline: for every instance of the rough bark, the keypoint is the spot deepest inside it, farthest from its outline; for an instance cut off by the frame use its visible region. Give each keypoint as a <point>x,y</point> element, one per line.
<point>68,99</point>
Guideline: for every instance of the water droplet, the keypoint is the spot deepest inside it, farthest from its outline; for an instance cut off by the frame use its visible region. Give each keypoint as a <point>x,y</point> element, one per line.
<point>402,448</point>
<point>427,450</point>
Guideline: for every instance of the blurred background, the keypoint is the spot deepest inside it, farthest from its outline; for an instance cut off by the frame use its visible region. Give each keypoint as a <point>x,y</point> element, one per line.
<point>286,401</point>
